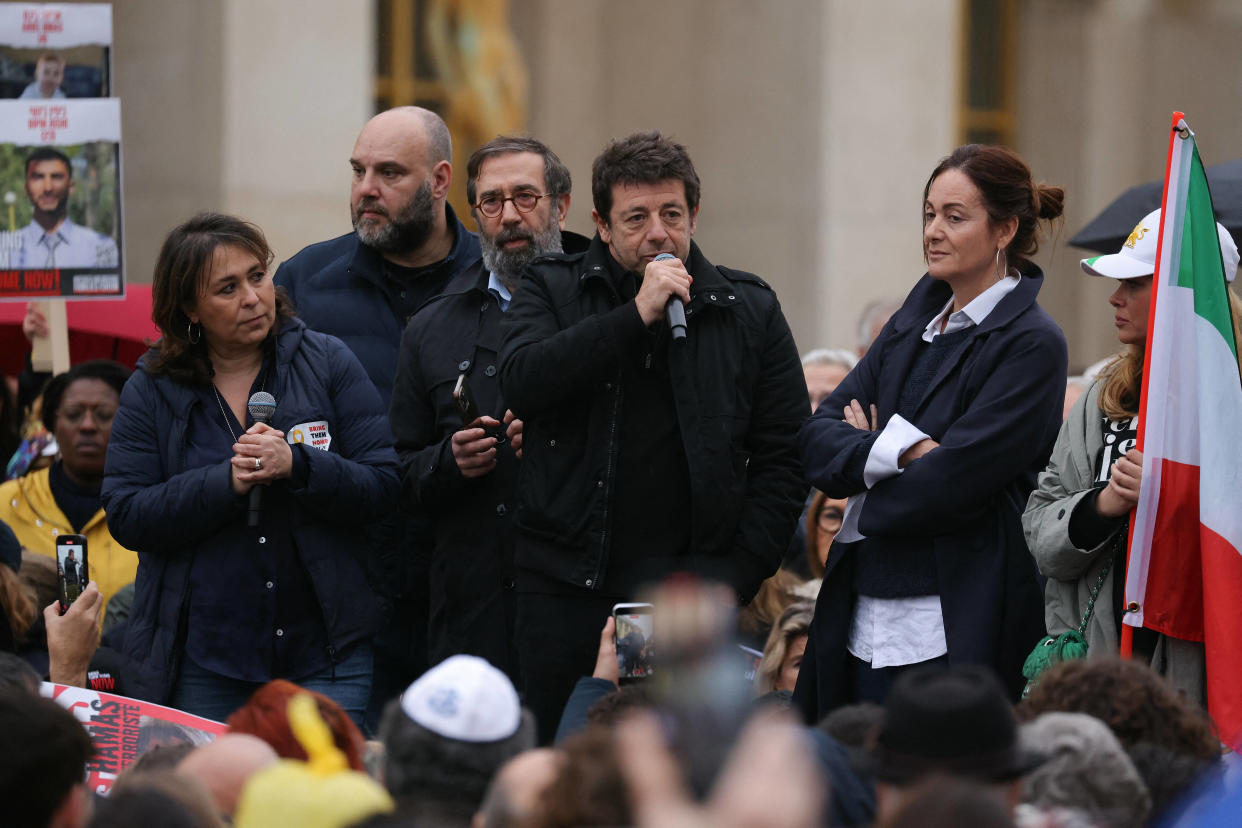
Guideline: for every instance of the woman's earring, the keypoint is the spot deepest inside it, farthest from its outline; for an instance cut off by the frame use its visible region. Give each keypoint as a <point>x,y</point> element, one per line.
<point>193,332</point>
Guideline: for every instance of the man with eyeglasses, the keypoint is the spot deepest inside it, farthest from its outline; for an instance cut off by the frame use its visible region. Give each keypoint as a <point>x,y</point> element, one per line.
<point>362,288</point>
<point>463,476</point>
<point>643,454</point>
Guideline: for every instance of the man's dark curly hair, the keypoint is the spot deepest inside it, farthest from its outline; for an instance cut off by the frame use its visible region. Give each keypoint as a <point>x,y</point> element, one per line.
<point>1136,703</point>
<point>642,158</point>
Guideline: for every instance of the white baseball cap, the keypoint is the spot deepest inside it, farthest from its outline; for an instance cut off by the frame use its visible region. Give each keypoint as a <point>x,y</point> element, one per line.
<point>1137,257</point>
<point>464,698</point>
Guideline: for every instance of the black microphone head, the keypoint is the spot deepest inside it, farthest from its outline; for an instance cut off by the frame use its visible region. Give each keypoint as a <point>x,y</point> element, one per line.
<point>663,256</point>
<point>261,406</point>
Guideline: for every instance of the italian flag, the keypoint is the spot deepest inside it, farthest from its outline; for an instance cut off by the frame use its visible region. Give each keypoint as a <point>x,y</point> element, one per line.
<point>1184,577</point>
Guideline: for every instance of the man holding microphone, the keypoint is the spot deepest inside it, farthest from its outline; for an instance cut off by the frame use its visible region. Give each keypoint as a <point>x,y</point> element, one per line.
<point>644,453</point>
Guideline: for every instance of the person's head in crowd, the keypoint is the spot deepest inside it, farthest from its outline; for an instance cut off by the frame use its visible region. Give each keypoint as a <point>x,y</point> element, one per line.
<point>1132,699</point>
<point>513,798</point>
<point>266,715</point>
<point>782,655</point>
<point>949,802</point>
<point>43,754</point>
<point>17,674</point>
<point>588,788</point>
<point>824,369</point>
<point>49,73</point>
<point>440,757</point>
<point>947,720</point>
<point>853,725</point>
<point>158,758</point>
<point>646,197</point>
<point>607,710</point>
<point>1168,775</point>
<point>78,407</point>
<point>156,798</point>
<point>1133,267</point>
<point>226,765</point>
<point>823,522</point>
<point>207,245</point>
<point>321,792</point>
<point>782,588</point>
<point>871,321</point>
<point>1086,769</point>
<point>519,194</point>
<point>402,169</point>
<point>18,610</point>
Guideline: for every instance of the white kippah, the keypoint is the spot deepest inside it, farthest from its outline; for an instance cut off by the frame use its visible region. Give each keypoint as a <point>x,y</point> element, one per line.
<point>464,698</point>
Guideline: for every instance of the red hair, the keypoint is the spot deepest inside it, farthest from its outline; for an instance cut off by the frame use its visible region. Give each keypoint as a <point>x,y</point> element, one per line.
<point>265,715</point>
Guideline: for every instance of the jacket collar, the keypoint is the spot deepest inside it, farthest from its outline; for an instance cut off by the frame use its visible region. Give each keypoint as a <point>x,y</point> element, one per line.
<point>706,277</point>
<point>288,339</point>
<point>930,295</point>
<point>369,264</point>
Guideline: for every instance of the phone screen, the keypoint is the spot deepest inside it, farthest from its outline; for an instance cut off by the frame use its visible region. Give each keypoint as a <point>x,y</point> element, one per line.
<point>71,568</point>
<point>635,634</point>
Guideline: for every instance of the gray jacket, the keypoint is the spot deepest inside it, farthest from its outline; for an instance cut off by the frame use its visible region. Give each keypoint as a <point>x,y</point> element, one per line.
<point>1071,571</point>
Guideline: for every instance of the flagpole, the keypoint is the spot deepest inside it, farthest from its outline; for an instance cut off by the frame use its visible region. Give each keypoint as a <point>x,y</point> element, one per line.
<point>1127,632</point>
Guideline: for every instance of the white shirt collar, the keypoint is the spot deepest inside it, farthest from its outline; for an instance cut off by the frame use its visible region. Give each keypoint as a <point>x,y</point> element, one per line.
<point>975,311</point>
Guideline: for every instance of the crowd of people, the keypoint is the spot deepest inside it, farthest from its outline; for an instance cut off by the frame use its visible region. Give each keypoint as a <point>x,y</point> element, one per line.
<point>379,509</point>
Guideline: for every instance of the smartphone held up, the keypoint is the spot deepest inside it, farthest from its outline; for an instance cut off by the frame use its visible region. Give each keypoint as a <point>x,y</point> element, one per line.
<point>634,631</point>
<point>72,570</point>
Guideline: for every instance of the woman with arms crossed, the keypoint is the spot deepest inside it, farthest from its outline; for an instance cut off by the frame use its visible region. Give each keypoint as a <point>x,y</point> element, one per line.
<point>936,437</point>
<point>221,607</point>
<point>1076,521</point>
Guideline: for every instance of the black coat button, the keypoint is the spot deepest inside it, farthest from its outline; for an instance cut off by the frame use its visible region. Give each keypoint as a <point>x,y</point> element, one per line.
<point>464,365</point>
<point>490,371</point>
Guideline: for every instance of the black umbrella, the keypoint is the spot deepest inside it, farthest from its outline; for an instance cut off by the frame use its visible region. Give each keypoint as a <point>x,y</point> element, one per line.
<point>1111,228</point>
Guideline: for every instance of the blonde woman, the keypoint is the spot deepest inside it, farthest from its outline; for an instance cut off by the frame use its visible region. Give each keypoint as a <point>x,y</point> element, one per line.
<point>1076,519</point>
<point>782,655</point>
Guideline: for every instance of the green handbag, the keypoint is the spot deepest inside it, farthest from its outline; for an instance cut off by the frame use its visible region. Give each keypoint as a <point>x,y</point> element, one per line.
<point>1069,645</point>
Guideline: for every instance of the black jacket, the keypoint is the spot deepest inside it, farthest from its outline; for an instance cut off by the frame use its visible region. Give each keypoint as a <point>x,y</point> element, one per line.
<point>471,570</point>
<point>740,398</point>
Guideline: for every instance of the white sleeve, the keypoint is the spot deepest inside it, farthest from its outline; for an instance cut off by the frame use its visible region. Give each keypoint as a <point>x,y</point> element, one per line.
<point>896,437</point>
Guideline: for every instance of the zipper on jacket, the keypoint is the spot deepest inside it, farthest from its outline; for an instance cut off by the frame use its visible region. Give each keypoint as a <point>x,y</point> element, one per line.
<point>612,445</point>
<point>332,659</point>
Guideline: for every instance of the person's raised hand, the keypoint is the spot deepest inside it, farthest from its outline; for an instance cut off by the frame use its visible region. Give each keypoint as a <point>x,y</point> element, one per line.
<point>72,638</point>
<point>34,323</point>
<point>661,281</point>
<point>606,666</point>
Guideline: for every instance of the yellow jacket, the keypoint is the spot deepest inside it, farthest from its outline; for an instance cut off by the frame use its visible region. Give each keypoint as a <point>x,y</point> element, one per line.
<point>27,506</point>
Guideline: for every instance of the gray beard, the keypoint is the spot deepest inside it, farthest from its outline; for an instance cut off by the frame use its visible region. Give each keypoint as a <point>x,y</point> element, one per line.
<point>508,265</point>
<point>405,232</point>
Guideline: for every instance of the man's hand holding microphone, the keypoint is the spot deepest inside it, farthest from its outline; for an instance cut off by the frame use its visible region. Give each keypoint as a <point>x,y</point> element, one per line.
<point>664,292</point>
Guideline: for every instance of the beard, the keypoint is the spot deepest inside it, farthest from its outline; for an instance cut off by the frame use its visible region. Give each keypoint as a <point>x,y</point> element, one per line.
<point>509,264</point>
<point>402,233</point>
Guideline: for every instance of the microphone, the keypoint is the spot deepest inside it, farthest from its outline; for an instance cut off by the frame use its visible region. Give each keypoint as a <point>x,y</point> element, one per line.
<point>675,310</point>
<point>261,407</point>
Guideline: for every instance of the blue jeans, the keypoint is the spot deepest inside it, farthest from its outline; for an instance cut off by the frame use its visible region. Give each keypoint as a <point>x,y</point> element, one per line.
<point>213,696</point>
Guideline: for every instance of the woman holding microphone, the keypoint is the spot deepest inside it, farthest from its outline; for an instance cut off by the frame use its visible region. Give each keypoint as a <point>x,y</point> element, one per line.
<point>220,606</point>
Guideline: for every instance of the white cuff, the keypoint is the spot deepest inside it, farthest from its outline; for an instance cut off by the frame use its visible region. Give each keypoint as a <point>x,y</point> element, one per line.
<point>896,437</point>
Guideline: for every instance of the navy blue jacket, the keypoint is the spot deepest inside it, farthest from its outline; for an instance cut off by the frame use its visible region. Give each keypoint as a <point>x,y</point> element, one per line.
<point>167,512</point>
<point>338,287</point>
<point>994,405</point>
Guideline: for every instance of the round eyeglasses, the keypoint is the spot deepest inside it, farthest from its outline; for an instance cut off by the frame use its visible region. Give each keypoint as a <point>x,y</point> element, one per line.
<point>493,205</point>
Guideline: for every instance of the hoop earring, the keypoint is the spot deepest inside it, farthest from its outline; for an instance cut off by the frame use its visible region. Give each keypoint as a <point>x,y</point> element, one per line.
<point>1001,269</point>
<point>192,334</point>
